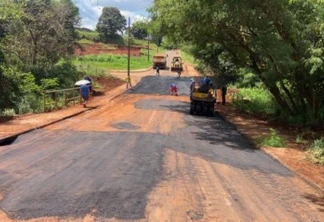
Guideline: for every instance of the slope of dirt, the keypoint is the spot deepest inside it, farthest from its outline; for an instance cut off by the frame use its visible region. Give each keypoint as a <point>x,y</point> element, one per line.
<point>97,48</point>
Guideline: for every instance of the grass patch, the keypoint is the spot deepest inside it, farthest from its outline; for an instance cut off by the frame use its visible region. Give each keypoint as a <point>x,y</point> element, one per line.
<point>7,112</point>
<point>255,100</point>
<point>188,58</point>
<point>316,151</point>
<point>111,62</point>
<point>273,140</point>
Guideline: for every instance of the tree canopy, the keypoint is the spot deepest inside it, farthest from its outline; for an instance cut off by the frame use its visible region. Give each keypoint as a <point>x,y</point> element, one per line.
<point>110,22</point>
<point>281,41</point>
<point>35,35</point>
<point>140,29</point>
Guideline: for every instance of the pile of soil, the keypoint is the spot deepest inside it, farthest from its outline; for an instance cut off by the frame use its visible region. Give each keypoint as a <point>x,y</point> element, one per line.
<point>106,83</point>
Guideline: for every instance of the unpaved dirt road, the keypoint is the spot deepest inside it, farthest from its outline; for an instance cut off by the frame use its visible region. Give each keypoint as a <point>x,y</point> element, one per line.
<point>142,157</point>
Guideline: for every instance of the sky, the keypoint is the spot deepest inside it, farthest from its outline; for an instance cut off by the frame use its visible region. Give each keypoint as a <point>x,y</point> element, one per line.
<point>90,10</point>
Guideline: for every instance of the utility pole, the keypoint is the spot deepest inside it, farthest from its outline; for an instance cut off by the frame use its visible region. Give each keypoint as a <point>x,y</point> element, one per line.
<point>128,64</point>
<point>148,49</point>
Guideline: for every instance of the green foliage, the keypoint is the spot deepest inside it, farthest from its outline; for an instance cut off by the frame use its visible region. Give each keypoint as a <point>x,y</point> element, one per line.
<point>187,56</point>
<point>278,43</point>
<point>7,112</point>
<point>112,62</point>
<point>139,29</point>
<point>299,139</point>
<point>110,22</point>
<point>255,100</point>
<point>273,140</point>
<point>316,151</point>
<point>35,36</point>
<point>47,84</point>
<point>91,36</point>
<point>247,79</point>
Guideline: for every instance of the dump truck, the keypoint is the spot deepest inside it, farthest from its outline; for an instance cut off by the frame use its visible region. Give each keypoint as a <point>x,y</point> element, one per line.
<point>176,64</point>
<point>159,60</point>
<point>202,100</point>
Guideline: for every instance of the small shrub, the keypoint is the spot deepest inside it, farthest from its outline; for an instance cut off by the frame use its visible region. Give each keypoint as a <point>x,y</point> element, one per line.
<point>8,112</point>
<point>316,151</point>
<point>273,139</point>
<point>260,101</point>
<point>299,139</point>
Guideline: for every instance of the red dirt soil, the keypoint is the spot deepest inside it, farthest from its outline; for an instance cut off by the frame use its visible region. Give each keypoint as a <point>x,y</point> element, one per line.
<point>97,48</point>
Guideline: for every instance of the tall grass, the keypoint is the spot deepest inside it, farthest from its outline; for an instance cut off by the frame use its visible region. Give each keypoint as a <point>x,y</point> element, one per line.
<point>255,100</point>
<point>316,151</point>
<point>273,139</point>
<point>188,58</point>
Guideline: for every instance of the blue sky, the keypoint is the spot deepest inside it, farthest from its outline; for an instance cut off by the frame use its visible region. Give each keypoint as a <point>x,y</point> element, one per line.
<point>90,10</point>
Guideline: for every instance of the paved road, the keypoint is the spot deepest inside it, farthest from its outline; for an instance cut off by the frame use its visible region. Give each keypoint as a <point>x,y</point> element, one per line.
<point>141,157</point>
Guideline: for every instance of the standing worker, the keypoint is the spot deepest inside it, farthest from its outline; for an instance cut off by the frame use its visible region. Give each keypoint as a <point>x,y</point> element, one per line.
<point>224,92</point>
<point>157,70</point>
<point>85,94</point>
<point>90,80</point>
<point>174,89</point>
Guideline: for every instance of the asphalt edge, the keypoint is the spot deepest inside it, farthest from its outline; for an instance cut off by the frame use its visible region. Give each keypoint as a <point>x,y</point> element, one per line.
<point>275,158</point>
<point>131,71</point>
<point>57,120</point>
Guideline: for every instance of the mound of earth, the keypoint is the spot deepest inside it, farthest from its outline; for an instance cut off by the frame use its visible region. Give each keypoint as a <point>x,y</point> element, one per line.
<point>106,83</point>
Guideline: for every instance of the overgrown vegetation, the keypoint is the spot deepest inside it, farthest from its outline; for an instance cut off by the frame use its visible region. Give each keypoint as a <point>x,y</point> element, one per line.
<point>278,42</point>
<point>273,140</point>
<point>34,56</point>
<point>316,151</point>
<point>255,101</point>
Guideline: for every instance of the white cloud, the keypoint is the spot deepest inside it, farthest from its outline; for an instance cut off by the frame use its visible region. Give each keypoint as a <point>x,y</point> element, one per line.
<point>90,10</point>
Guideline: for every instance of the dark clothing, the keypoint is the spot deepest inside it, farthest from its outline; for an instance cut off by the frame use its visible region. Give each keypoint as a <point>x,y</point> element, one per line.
<point>224,91</point>
<point>90,80</point>
<point>205,81</point>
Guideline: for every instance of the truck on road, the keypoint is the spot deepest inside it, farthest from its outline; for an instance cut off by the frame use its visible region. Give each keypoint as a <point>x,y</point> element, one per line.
<point>159,60</point>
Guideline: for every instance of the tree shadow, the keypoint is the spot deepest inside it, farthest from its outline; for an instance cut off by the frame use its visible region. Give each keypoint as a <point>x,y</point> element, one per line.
<point>318,200</point>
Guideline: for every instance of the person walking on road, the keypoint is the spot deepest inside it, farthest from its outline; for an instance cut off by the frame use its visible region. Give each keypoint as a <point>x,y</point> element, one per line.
<point>85,94</point>
<point>157,71</point>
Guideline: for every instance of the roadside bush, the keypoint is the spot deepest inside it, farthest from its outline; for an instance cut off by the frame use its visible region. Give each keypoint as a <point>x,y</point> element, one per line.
<point>273,139</point>
<point>255,100</point>
<point>316,151</point>
<point>7,112</point>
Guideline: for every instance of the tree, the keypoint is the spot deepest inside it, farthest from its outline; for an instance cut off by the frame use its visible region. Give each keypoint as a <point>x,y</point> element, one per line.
<point>281,41</point>
<point>110,22</point>
<point>35,35</point>
<point>139,29</point>
<point>44,34</point>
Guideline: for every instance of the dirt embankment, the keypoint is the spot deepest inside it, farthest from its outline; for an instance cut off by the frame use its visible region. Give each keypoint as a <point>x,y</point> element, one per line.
<point>97,48</point>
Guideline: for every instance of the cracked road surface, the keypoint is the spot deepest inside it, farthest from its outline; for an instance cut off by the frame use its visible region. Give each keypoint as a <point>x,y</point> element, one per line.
<point>142,157</point>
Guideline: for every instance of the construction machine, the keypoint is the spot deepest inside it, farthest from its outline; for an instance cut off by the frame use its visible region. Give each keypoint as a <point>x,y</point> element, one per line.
<point>202,100</point>
<point>176,64</point>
